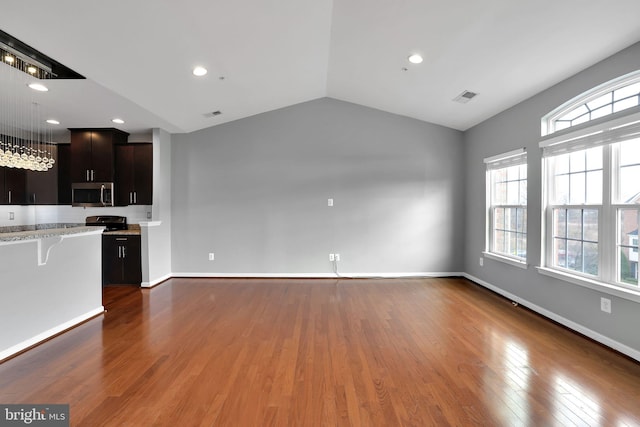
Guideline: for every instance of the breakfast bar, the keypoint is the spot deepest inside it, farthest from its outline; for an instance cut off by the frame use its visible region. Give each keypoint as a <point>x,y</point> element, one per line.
<point>50,281</point>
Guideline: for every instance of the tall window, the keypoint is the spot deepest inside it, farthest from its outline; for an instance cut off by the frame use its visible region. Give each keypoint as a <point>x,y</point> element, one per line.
<point>507,206</point>
<point>627,210</point>
<point>575,204</point>
<point>592,202</point>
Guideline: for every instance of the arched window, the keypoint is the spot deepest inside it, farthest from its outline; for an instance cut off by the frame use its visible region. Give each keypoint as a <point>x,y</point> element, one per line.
<point>609,98</point>
<point>591,190</point>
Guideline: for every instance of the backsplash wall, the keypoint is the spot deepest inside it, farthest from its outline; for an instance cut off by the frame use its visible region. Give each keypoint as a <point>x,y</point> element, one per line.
<point>29,215</point>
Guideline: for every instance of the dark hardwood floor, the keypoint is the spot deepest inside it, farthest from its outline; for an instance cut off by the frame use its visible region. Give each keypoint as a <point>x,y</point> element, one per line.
<point>251,352</point>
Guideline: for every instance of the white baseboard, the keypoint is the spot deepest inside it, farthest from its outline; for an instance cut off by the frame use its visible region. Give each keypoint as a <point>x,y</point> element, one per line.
<point>157,281</point>
<point>49,333</point>
<point>622,348</point>
<point>319,275</point>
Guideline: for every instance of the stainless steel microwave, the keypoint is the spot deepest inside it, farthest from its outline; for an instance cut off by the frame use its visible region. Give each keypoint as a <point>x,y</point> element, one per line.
<point>92,194</point>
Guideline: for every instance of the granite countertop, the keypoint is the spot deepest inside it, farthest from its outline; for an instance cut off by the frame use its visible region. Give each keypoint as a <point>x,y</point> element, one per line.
<point>132,230</point>
<point>42,231</point>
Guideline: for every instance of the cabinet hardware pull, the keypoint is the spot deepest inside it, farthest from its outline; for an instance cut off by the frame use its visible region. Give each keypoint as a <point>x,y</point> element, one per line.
<point>87,174</point>
<point>119,251</point>
<point>124,252</point>
<point>135,197</point>
<point>130,198</point>
<point>9,196</point>
<point>93,175</point>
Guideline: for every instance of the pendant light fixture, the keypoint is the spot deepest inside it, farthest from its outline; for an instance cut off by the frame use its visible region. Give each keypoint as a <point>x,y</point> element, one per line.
<point>25,137</point>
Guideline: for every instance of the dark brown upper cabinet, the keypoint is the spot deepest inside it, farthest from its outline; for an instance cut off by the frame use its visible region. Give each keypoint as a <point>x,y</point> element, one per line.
<point>12,185</point>
<point>64,174</point>
<point>92,158</point>
<point>42,187</point>
<point>134,174</point>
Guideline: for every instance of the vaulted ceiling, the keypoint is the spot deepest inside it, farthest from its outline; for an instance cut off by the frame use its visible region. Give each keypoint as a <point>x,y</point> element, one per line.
<point>262,55</point>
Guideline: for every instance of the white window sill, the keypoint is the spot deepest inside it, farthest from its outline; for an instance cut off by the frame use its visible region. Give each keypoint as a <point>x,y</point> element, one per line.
<point>506,260</point>
<point>596,285</point>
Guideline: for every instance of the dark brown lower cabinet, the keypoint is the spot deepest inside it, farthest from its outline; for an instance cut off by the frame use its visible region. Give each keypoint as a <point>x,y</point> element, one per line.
<point>121,260</point>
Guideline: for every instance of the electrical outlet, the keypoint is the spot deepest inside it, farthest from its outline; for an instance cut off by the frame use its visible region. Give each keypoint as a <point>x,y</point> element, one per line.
<point>337,257</point>
<point>605,305</point>
<point>332,257</point>
<point>481,261</point>
<point>212,256</point>
<point>148,215</point>
<point>12,216</point>
<point>329,202</point>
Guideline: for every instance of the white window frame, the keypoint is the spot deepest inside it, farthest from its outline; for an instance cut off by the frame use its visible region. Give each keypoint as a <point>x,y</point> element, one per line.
<point>548,122</point>
<point>512,158</point>
<point>604,134</point>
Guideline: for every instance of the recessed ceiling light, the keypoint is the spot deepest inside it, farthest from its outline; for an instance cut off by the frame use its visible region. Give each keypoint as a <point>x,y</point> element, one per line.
<point>415,58</point>
<point>39,87</point>
<point>9,59</point>
<point>53,122</point>
<point>31,69</point>
<point>118,121</point>
<point>199,71</point>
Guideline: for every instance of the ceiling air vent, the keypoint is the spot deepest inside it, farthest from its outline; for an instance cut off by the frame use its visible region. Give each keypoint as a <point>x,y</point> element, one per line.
<point>465,97</point>
<point>212,114</point>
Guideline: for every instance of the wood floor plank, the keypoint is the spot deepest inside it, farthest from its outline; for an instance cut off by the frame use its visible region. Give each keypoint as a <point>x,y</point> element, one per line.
<point>272,352</point>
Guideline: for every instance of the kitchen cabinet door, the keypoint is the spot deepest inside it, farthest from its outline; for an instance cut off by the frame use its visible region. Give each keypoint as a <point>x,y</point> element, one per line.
<point>80,156</point>
<point>13,186</point>
<point>121,260</point>
<point>42,187</point>
<point>132,261</point>
<point>101,156</point>
<point>124,185</point>
<point>134,174</point>
<point>143,174</point>
<point>64,174</point>
<point>92,154</point>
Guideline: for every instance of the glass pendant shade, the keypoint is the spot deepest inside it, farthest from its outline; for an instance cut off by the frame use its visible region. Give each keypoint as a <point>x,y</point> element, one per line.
<point>25,138</point>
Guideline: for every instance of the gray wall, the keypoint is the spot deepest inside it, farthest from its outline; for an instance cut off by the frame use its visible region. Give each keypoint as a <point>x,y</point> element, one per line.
<point>255,192</point>
<point>520,127</point>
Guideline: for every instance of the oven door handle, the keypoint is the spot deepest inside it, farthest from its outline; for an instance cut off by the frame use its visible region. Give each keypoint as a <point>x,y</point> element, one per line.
<point>102,195</point>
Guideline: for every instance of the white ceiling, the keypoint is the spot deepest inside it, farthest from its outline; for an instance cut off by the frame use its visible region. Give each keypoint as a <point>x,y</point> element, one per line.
<point>138,55</point>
